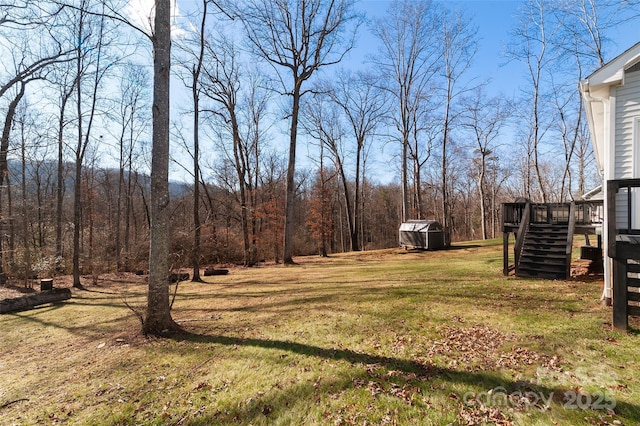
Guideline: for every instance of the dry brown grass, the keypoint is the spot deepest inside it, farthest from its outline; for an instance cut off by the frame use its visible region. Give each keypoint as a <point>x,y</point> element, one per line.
<point>385,337</point>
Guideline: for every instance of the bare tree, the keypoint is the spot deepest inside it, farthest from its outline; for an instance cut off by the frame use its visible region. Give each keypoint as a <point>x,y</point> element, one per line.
<point>298,38</point>
<point>458,49</point>
<point>65,82</point>
<point>222,84</point>
<point>409,60</point>
<point>194,49</point>
<point>158,316</point>
<point>586,25</point>
<point>21,28</point>
<point>484,117</point>
<point>130,116</point>
<point>157,319</point>
<point>255,139</point>
<point>581,42</point>
<point>321,119</point>
<point>90,60</point>
<point>362,104</point>
<point>533,49</point>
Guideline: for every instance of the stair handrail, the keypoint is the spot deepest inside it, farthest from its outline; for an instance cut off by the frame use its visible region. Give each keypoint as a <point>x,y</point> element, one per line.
<point>524,224</point>
<point>570,229</point>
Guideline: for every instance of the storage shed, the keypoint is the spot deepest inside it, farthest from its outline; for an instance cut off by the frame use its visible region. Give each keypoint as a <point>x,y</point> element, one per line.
<point>424,234</point>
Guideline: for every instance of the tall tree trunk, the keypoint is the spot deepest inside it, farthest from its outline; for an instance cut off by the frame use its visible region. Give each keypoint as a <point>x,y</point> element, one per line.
<point>405,177</point>
<point>446,219</point>
<point>195,94</point>
<point>116,230</point>
<point>77,200</point>
<point>289,202</point>
<point>355,240</point>
<point>536,142</point>
<point>127,218</point>
<point>349,208</point>
<point>60,179</point>
<point>197,227</point>
<point>26,261</point>
<point>241,171</point>
<point>158,316</point>
<point>77,221</point>
<point>12,230</point>
<point>482,195</point>
<point>323,212</point>
<point>84,135</point>
<point>4,149</point>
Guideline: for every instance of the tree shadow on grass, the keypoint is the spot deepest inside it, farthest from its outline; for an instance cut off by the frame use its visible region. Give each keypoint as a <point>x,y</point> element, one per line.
<point>419,371</point>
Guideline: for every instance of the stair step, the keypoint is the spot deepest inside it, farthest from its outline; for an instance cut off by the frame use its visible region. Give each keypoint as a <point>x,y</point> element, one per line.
<point>543,253</point>
<point>559,270</point>
<point>551,234</point>
<point>547,228</point>
<point>539,262</point>
<point>552,237</point>
<point>542,239</point>
<point>546,247</point>
<point>540,274</point>
<point>548,225</point>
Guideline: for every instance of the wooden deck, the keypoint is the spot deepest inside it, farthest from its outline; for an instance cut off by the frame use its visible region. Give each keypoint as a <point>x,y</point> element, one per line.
<point>544,235</point>
<point>580,217</point>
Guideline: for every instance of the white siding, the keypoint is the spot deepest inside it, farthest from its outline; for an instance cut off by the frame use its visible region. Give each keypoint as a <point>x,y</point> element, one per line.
<point>627,140</point>
<point>627,111</point>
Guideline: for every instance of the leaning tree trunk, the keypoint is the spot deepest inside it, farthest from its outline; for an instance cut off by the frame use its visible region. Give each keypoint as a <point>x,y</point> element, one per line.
<point>4,149</point>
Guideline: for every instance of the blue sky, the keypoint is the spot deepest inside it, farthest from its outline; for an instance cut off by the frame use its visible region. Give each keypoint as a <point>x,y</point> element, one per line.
<point>495,19</point>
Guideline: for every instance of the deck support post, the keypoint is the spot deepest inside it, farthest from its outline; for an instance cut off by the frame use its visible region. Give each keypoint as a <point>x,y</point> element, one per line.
<point>620,314</point>
<point>505,252</point>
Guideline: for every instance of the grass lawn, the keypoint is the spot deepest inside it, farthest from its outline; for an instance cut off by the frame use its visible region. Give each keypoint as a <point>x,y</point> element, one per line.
<point>371,338</point>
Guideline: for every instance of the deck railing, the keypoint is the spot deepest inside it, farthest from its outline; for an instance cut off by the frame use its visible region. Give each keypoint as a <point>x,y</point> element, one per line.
<point>623,207</point>
<point>525,219</point>
<point>624,204</point>
<point>579,216</point>
<point>585,213</point>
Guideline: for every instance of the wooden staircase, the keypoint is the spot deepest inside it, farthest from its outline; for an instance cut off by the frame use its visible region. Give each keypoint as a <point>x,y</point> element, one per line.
<point>544,251</point>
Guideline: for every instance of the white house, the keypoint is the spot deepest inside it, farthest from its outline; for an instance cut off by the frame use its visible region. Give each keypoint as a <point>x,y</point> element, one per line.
<point>612,104</point>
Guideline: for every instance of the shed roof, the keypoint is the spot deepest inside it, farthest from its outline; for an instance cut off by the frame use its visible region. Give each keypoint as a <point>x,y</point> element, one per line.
<point>420,226</point>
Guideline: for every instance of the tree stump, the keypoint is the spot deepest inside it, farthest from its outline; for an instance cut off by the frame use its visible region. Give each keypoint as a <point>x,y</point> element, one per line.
<point>176,278</point>
<point>46,284</point>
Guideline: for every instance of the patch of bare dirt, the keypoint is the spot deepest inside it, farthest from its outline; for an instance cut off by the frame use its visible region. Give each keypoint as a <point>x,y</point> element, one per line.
<point>12,291</point>
<point>18,288</point>
<point>586,271</point>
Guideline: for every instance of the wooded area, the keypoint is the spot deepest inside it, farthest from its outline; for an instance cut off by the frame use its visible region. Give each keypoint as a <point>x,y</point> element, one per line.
<point>76,185</point>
